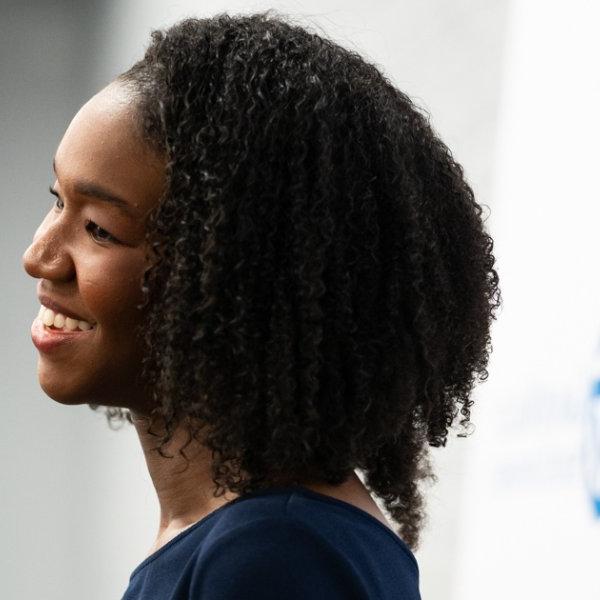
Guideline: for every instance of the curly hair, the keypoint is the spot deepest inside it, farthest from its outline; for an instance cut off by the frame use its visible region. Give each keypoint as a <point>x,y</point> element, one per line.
<point>323,285</point>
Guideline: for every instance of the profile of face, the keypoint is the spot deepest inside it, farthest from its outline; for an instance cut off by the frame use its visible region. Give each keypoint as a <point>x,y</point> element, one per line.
<point>89,253</point>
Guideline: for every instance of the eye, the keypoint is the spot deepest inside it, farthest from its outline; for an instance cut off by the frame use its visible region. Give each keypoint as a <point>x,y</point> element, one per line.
<point>104,236</point>
<point>54,193</point>
<point>96,232</point>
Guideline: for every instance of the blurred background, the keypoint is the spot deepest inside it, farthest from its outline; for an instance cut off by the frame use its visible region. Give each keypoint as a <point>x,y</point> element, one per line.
<point>513,88</point>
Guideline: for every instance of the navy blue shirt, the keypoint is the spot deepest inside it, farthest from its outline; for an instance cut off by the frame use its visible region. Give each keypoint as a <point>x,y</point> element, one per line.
<point>283,543</point>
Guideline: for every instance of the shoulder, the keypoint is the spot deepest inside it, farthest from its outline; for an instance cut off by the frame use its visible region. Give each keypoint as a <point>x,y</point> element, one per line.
<point>270,557</point>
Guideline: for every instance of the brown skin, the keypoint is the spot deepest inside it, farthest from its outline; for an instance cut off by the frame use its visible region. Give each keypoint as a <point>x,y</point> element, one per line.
<point>100,280</point>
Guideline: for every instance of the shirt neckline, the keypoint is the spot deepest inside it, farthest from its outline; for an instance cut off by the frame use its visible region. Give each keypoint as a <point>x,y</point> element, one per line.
<point>181,535</point>
<point>269,492</point>
<point>337,502</point>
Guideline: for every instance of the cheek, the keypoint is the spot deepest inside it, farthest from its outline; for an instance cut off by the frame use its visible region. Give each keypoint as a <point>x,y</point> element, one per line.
<point>111,289</point>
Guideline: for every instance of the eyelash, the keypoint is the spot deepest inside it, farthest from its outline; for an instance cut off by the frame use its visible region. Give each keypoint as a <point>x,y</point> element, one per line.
<point>90,226</point>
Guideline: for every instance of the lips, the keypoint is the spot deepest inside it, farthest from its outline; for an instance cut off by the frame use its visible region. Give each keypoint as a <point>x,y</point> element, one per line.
<point>59,308</point>
<point>46,339</point>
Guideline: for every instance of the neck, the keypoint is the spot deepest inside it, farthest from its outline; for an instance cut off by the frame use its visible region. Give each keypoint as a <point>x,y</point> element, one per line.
<point>184,486</point>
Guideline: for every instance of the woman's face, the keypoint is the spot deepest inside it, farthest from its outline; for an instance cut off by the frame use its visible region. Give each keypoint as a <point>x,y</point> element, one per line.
<point>94,270</point>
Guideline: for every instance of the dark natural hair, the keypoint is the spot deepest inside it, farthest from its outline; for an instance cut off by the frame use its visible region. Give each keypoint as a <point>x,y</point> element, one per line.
<point>323,289</point>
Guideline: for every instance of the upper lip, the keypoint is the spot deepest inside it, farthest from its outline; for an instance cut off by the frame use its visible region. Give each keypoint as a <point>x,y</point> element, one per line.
<point>59,308</point>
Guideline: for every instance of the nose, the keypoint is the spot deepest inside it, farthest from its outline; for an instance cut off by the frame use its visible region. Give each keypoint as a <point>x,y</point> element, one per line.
<point>48,257</point>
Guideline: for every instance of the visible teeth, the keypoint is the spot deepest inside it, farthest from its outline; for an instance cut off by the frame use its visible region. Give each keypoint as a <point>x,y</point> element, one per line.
<point>71,324</point>
<point>49,318</point>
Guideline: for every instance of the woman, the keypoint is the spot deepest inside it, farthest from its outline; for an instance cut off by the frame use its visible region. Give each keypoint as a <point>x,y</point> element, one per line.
<point>261,255</point>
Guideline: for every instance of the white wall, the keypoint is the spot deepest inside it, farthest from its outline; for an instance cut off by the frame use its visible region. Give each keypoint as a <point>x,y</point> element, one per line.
<point>530,527</point>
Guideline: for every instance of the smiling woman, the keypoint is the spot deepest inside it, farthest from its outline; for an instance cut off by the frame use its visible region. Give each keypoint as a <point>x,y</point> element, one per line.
<point>286,280</point>
<point>89,254</point>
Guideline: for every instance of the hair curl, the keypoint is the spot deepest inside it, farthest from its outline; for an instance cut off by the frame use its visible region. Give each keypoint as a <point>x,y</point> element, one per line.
<point>323,289</point>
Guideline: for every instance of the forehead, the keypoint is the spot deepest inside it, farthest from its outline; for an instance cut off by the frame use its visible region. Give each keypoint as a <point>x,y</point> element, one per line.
<point>102,145</point>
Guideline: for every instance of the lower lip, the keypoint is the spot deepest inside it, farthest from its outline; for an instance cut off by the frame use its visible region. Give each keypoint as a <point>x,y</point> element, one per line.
<point>46,339</point>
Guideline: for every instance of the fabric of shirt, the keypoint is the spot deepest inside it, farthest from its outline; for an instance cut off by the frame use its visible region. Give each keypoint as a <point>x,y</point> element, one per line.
<point>283,543</point>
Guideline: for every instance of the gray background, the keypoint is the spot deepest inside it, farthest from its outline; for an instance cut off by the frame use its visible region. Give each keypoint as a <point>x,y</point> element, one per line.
<point>78,506</point>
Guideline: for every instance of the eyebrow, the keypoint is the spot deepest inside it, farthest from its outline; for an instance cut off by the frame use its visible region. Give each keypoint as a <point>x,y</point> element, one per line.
<point>92,190</point>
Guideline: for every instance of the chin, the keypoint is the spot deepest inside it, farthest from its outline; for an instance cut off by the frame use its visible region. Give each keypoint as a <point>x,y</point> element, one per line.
<point>59,390</point>
<point>61,397</point>
<point>59,393</point>
<point>95,388</point>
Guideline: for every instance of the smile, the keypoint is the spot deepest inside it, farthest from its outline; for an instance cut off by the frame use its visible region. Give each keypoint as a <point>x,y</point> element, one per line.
<point>58,321</point>
<point>49,338</point>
